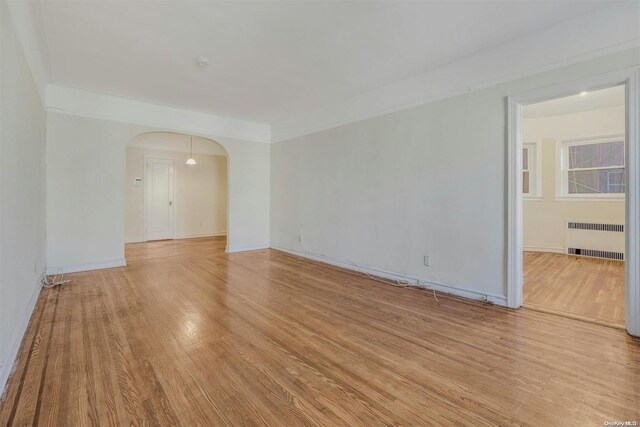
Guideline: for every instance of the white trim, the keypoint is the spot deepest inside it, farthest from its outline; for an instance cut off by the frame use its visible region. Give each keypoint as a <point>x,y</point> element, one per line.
<point>544,249</point>
<point>235,249</point>
<point>8,365</point>
<point>590,199</point>
<point>183,236</point>
<point>514,203</point>
<point>567,43</point>
<point>195,236</point>
<point>86,103</point>
<point>136,240</point>
<point>631,78</point>
<point>632,220</point>
<point>427,284</point>
<point>87,267</point>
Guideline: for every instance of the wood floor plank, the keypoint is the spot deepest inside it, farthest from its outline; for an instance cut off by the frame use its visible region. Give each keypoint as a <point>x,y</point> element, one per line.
<point>189,335</point>
<point>27,407</point>
<point>12,395</point>
<point>587,288</point>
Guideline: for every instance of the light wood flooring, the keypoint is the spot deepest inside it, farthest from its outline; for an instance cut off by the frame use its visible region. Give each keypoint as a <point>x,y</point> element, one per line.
<point>189,335</point>
<point>586,288</point>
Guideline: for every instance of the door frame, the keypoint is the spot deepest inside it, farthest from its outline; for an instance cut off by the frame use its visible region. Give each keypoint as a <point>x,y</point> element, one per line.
<point>172,172</point>
<point>629,77</point>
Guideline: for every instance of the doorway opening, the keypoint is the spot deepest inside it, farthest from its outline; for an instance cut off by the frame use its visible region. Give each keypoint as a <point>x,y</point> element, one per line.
<point>176,188</point>
<point>599,166</point>
<point>573,185</point>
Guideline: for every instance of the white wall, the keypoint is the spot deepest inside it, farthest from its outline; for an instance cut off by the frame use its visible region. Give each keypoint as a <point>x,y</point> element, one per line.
<point>86,191</point>
<point>22,195</point>
<point>179,142</point>
<point>586,36</point>
<point>430,180</point>
<point>545,220</point>
<point>200,193</point>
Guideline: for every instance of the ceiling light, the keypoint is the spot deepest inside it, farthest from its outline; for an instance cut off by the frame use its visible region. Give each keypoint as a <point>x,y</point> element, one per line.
<point>191,161</point>
<point>202,62</point>
<point>583,93</point>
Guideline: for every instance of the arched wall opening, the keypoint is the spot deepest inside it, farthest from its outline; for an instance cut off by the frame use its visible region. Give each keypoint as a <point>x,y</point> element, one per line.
<point>87,158</point>
<point>197,197</point>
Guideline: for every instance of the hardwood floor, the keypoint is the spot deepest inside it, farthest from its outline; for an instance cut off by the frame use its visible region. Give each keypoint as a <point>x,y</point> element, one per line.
<point>135,252</point>
<point>201,337</point>
<point>587,288</point>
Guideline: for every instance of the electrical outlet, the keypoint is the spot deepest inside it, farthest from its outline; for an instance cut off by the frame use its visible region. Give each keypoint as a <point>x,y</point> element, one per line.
<point>299,238</point>
<point>427,260</point>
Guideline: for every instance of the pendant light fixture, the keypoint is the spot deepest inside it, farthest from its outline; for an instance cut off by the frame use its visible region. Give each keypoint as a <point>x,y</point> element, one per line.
<point>191,161</point>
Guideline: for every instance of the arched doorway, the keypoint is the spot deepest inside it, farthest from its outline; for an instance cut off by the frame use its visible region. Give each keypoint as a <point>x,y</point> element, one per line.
<point>168,197</point>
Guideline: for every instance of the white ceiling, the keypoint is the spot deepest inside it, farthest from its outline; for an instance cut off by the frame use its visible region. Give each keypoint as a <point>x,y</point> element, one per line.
<point>271,60</point>
<point>592,100</point>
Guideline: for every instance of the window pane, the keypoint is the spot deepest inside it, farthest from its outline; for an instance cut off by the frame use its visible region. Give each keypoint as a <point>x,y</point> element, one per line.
<point>596,181</point>
<point>596,155</point>
<point>525,159</point>
<point>525,182</point>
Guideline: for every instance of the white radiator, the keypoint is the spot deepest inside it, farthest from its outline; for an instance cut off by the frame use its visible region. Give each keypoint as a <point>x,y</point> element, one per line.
<point>595,240</point>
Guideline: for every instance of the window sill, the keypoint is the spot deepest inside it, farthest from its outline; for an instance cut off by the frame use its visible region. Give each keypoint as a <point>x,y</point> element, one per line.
<point>589,199</point>
<point>532,198</point>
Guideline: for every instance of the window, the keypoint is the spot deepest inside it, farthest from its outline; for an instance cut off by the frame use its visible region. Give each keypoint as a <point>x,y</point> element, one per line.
<point>593,168</point>
<point>530,170</point>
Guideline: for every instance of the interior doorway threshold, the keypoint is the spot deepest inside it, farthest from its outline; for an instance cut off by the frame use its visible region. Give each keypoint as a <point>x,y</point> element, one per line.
<point>560,313</point>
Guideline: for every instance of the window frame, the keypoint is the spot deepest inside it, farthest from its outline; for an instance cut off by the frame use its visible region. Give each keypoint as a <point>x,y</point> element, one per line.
<point>562,169</point>
<point>535,170</point>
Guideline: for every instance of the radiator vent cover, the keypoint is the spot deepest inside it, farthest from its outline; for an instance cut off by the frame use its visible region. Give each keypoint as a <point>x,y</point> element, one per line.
<point>596,227</point>
<point>596,253</point>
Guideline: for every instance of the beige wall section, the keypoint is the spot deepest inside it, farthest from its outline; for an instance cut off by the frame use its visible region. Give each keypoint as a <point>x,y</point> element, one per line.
<point>429,180</point>
<point>200,194</point>
<point>545,219</point>
<point>22,193</point>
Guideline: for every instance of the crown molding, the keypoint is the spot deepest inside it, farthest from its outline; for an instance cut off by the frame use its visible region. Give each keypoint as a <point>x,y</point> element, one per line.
<point>81,102</point>
<point>605,31</point>
<point>26,17</point>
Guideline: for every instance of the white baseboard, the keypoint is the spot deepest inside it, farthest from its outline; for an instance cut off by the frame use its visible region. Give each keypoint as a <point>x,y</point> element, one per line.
<point>427,284</point>
<point>246,248</point>
<point>544,249</point>
<point>7,366</point>
<point>193,236</point>
<point>87,267</point>
<point>181,236</point>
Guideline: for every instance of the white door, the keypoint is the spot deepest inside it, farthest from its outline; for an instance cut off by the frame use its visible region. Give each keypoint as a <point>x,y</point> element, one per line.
<point>159,199</point>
